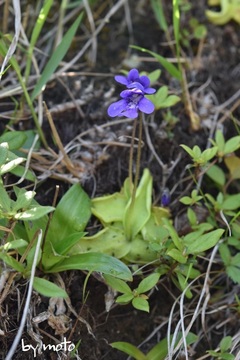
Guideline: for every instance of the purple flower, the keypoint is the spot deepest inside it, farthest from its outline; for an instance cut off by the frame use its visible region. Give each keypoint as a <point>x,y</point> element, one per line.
<point>133,80</point>
<point>133,98</point>
<point>166,198</point>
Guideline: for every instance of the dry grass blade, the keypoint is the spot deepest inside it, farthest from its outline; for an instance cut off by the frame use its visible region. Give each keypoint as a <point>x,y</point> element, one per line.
<point>111,12</point>
<point>93,30</point>
<point>204,291</point>
<point>12,47</point>
<point>66,159</point>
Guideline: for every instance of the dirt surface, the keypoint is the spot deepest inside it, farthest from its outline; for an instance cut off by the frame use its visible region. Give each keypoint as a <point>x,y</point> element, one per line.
<point>212,79</point>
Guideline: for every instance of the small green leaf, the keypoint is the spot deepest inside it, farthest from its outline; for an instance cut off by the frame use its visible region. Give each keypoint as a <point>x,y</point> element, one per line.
<point>172,232</point>
<point>20,171</point>
<point>208,154</point>
<point>232,144</point>
<point>9,166</point>
<point>197,152</point>
<point>3,153</point>
<point>14,264</point>
<point>192,237</point>
<point>204,242</point>
<point>226,343</point>
<point>124,299</point>
<point>220,141</point>
<point>154,76</point>
<point>225,254</point>
<point>188,150</point>
<point>186,200</point>
<point>117,284</point>
<point>192,217</point>
<point>15,244</point>
<point>233,268</point>
<point>177,255</point>
<point>232,202</point>
<point>162,100</point>
<point>5,201</point>
<point>184,284</point>
<point>171,100</point>
<point>140,304</point>
<point>226,356</point>
<point>15,139</point>
<point>47,288</point>
<point>160,351</point>
<point>217,175</point>
<point>200,32</point>
<point>24,198</point>
<point>148,283</point>
<point>160,96</point>
<point>129,349</point>
<point>34,213</point>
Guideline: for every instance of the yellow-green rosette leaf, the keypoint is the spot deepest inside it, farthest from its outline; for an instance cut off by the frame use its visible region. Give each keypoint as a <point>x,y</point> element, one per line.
<point>138,210</point>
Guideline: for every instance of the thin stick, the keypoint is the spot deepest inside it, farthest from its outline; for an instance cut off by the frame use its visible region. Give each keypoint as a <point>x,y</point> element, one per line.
<point>28,299</point>
<point>17,26</point>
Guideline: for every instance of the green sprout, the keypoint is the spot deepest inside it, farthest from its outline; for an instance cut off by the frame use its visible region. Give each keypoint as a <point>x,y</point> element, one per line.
<point>137,297</point>
<point>200,158</point>
<point>225,347</point>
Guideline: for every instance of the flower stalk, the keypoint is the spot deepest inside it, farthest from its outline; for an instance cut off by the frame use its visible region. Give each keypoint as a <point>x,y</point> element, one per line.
<point>138,160</point>
<point>133,100</point>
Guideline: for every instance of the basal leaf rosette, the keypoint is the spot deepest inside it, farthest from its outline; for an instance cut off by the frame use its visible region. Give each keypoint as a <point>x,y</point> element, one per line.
<point>132,231</point>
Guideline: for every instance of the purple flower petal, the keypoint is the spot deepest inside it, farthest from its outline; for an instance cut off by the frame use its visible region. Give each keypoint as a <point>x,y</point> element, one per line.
<point>136,85</point>
<point>131,93</point>
<point>165,198</point>
<point>145,105</point>
<point>133,98</point>
<point>121,79</point>
<point>149,91</point>
<point>130,113</point>
<point>144,80</point>
<point>133,75</point>
<point>117,107</point>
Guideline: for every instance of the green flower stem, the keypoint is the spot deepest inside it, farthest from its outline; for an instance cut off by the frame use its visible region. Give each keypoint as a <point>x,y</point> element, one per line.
<point>138,160</point>
<point>139,148</point>
<point>130,166</point>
